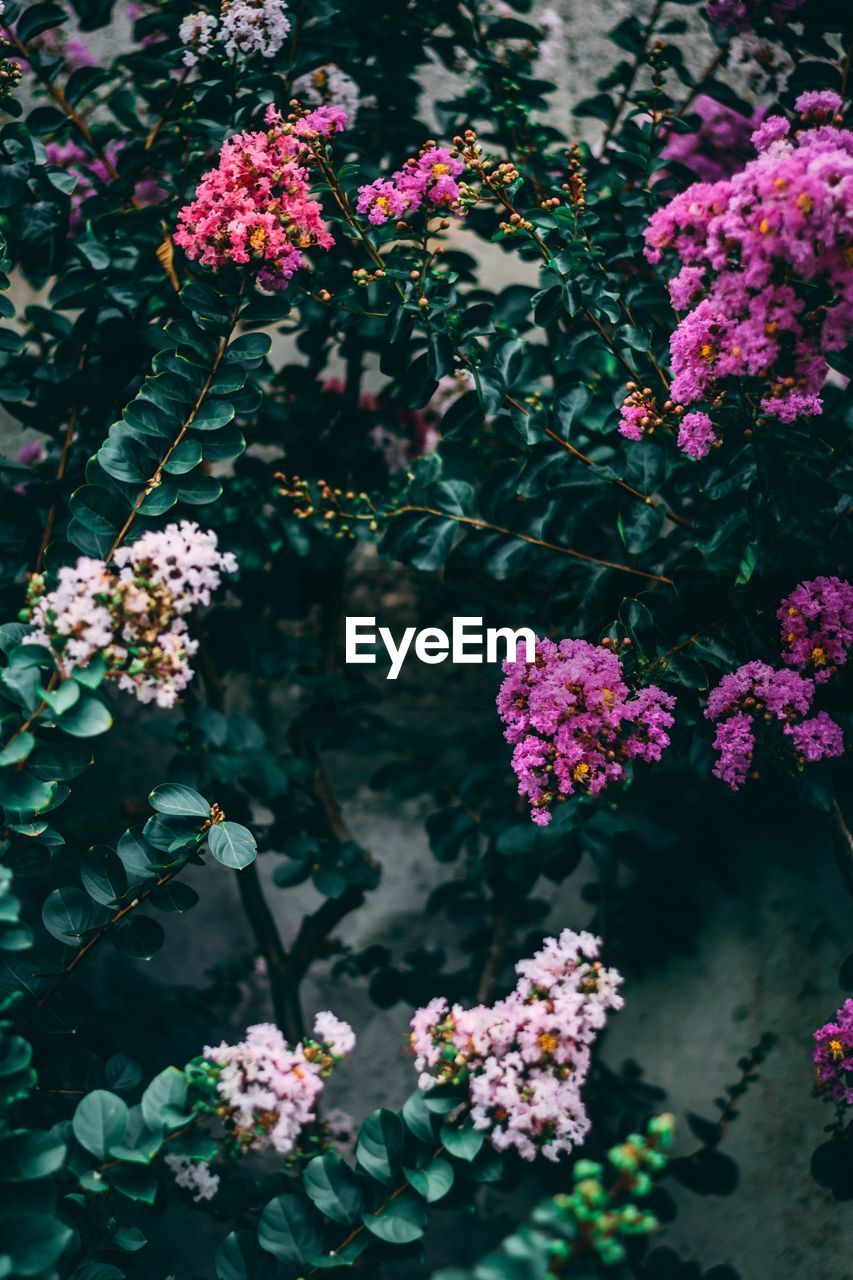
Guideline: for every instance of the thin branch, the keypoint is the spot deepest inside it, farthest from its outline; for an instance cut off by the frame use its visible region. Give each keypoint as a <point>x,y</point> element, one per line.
<point>70,429</point>
<point>842,843</point>
<point>635,67</point>
<point>473,523</point>
<point>188,421</point>
<point>636,493</point>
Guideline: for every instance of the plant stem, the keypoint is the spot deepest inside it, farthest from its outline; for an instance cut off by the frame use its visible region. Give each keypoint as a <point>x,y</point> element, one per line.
<point>158,474</point>
<point>635,67</point>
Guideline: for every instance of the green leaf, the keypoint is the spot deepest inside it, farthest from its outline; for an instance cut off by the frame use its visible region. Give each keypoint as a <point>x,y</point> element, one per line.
<point>379,1150</point>
<point>417,1117</point>
<point>239,1258</point>
<point>27,1154</point>
<point>100,1121</point>
<point>212,415</point>
<point>401,1222</point>
<point>463,1143</point>
<point>135,1181</point>
<point>139,937</point>
<point>178,801</point>
<point>164,1101</point>
<point>87,719</point>
<point>69,914</point>
<point>232,845</point>
<point>18,749</point>
<point>434,1181</point>
<point>103,875</point>
<point>288,1230</point>
<point>32,1243</point>
<point>175,897</point>
<point>334,1188</point>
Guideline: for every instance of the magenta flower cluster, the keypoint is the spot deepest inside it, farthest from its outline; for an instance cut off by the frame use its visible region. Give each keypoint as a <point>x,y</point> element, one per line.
<point>742,14</point>
<point>525,1058</point>
<point>575,724</point>
<point>759,697</point>
<point>269,1089</point>
<point>817,626</point>
<point>719,145</point>
<point>765,260</point>
<point>816,622</point>
<point>132,616</point>
<point>833,1055</point>
<point>429,179</point>
<point>256,206</point>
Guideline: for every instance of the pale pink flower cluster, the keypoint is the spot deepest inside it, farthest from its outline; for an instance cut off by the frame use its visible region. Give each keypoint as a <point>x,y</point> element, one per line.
<point>525,1059</point>
<point>429,178</point>
<point>244,27</point>
<point>197,33</point>
<point>270,1088</point>
<point>329,86</point>
<point>256,206</point>
<point>194,1176</point>
<point>133,615</point>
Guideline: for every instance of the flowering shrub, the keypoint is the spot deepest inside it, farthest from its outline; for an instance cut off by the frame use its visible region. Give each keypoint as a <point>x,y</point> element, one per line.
<point>270,358</point>
<point>574,725</point>
<point>525,1059</point>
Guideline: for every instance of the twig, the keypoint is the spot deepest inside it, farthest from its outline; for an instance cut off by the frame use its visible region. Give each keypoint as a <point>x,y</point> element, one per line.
<point>629,84</point>
<point>70,429</point>
<point>842,843</point>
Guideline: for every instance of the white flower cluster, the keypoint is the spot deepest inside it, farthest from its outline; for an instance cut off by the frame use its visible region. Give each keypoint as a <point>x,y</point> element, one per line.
<point>328,86</point>
<point>195,1176</point>
<point>243,27</point>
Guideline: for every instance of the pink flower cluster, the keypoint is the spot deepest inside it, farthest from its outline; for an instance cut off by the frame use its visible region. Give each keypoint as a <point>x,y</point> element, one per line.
<point>269,1087</point>
<point>525,1058</point>
<point>817,626</point>
<point>133,616</point>
<point>833,1056</point>
<point>757,695</point>
<point>397,434</point>
<point>430,178</point>
<point>256,206</point>
<point>93,174</point>
<point>765,273</point>
<point>719,146</point>
<point>575,723</point>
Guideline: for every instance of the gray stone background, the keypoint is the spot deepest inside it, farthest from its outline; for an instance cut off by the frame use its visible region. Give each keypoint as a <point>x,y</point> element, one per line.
<point>766,958</point>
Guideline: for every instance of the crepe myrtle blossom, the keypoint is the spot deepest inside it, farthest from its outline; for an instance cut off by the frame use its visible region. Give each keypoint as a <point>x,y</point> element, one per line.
<point>757,701</point>
<point>760,65</point>
<point>525,1058</point>
<point>244,27</point>
<point>197,33</point>
<point>132,614</point>
<point>329,86</point>
<point>762,266</point>
<point>255,207</point>
<point>743,13</point>
<point>719,145</point>
<point>816,622</point>
<point>194,1176</point>
<point>574,724</point>
<point>833,1056</point>
<point>253,26</point>
<point>268,1089</point>
<point>429,179</point>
